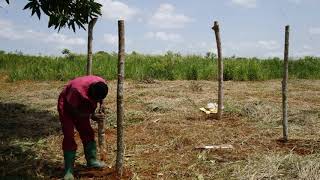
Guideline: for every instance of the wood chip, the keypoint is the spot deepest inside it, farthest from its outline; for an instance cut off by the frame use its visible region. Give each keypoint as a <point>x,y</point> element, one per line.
<point>222,146</point>
<point>156,120</point>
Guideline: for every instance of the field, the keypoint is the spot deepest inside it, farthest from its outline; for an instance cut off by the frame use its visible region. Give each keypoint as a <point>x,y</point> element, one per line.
<point>171,66</point>
<point>163,125</point>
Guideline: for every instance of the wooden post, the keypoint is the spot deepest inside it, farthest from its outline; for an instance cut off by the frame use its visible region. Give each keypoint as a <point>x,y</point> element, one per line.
<point>285,85</point>
<point>220,70</point>
<point>90,38</point>
<point>102,137</point>
<point>120,109</point>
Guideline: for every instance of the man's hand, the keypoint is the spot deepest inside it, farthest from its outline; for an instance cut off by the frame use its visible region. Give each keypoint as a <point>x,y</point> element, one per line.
<point>98,117</point>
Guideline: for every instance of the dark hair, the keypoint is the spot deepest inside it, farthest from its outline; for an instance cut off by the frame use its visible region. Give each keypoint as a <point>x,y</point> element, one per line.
<point>98,90</point>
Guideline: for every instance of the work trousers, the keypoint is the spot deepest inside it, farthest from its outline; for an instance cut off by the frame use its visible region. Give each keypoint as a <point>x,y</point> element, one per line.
<point>69,122</point>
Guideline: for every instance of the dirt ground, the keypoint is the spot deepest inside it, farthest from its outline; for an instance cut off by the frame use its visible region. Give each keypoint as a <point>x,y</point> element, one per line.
<point>163,125</point>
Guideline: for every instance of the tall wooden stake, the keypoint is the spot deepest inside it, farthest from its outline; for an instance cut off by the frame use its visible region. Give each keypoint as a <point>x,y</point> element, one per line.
<point>90,38</point>
<point>101,137</point>
<point>285,85</point>
<point>120,109</point>
<point>220,70</point>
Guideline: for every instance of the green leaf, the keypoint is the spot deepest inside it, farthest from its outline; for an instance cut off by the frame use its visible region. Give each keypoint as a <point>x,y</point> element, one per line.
<point>27,6</point>
<point>45,7</point>
<point>56,25</point>
<point>63,21</point>
<point>73,27</point>
<point>70,13</point>
<point>33,11</point>
<point>38,13</point>
<point>50,23</point>
<point>80,25</point>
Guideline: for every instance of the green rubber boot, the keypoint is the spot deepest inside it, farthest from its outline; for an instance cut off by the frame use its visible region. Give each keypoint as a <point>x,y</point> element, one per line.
<point>69,158</point>
<point>90,151</point>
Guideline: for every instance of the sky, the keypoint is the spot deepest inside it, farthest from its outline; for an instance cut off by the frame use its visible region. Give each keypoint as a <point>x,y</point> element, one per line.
<point>248,28</point>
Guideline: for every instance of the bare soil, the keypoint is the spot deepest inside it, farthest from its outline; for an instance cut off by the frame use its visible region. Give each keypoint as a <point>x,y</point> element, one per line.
<point>163,125</point>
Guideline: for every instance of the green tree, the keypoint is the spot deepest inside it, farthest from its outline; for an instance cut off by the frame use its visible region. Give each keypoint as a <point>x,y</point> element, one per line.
<point>66,51</point>
<point>65,13</point>
<point>210,55</point>
<point>68,54</point>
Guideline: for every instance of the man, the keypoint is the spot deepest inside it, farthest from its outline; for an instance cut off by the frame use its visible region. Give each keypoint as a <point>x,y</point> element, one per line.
<point>76,105</point>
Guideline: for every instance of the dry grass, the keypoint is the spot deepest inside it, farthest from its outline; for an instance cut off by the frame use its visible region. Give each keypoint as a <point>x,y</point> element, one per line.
<point>279,166</point>
<point>163,125</point>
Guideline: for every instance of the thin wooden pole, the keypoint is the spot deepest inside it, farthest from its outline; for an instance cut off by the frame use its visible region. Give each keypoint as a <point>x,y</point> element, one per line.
<point>101,136</point>
<point>285,85</point>
<point>90,38</point>
<point>120,109</point>
<point>220,70</point>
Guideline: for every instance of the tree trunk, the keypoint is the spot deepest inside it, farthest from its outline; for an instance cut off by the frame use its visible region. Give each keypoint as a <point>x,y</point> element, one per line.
<point>90,38</point>
<point>285,85</point>
<point>220,70</point>
<point>120,108</point>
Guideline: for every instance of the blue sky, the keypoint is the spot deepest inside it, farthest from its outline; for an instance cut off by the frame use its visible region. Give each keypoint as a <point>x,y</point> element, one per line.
<point>248,28</point>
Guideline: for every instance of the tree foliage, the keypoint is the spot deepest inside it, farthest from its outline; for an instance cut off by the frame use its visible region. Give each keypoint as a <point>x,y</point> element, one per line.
<point>65,51</point>
<point>65,13</point>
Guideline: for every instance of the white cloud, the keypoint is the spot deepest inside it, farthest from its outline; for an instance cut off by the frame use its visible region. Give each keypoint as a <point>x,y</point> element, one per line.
<point>240,45</point>
<point>304,53</point>
<point>297,53</point>
<point>158,52</point>
<point>201,47</point>
<point>245,3</point>
<point>140,20</point>
<point>63,39</point>
<point>9,33</point>
<point>261,44</point>
<point>115,10</point>
<point>164,36</point>
<point>7,30</point>
<point>307,47</point>
<point>203,44</point>
<point>110,39</point>
<point>259,48</point>
<point>314,30</point>
<point>265,48</point>
<point>166,17</point>
<point>273,54</point>
<point>295,1</point>
<point>5,23</point>
<point>12,32</point>
<point>269,45</point>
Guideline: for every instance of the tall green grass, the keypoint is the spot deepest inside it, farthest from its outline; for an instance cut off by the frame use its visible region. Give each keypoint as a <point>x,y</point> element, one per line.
<point>163,67</point>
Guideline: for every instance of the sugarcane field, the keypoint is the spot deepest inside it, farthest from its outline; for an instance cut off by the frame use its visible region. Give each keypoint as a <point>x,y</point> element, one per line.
<point>113,89</point>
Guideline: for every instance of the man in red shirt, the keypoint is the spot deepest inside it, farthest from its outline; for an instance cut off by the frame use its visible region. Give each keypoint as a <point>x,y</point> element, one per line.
<point>76,105</point>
